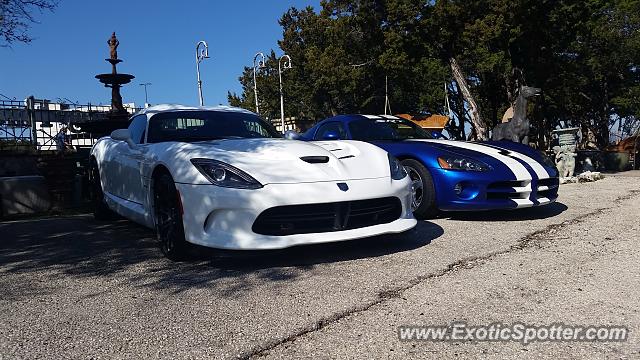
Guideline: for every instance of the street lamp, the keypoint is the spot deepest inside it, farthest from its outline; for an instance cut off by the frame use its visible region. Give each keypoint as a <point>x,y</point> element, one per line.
<point>282,66</point>
<point>201,55</point>
<point>261,65</point>
<point>146,98</point>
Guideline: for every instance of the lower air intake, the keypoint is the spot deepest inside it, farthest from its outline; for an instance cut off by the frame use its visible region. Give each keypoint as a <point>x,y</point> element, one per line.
<point>327,217</point>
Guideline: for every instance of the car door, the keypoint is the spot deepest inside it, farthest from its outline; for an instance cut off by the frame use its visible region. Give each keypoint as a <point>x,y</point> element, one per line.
<point>129,162</point>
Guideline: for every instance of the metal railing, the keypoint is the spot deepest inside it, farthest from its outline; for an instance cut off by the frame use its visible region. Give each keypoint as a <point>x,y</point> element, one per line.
<point>32,125</point>
<point>15,125</point>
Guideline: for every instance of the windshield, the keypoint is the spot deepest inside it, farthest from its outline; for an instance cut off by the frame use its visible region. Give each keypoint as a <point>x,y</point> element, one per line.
<point>191,126</point>
<point>386,129</point>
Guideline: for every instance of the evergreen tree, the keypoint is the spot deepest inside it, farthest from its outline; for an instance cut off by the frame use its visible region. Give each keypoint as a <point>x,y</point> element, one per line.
<point>583,54</point>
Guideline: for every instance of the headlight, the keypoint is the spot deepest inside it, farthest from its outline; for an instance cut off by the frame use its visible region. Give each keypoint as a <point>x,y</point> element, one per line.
<point>225,175</point>
<point>397,170</point>
<point>462,163</point>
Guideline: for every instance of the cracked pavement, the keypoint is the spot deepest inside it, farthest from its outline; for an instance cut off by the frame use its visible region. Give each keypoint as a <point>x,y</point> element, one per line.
<point>72,287</point>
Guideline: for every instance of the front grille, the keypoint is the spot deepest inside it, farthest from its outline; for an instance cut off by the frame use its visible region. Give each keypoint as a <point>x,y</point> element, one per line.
<point>327,217</point>
<point>507,184</point>
<point>549,187</point>
<point>511,189</point>
<point>507,195</point>
<point>545,194</point>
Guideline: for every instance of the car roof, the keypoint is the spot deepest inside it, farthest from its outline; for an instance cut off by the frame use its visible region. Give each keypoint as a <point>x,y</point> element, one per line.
<point>365,116</point>
<point>382,117</point>
<point>162,108</point>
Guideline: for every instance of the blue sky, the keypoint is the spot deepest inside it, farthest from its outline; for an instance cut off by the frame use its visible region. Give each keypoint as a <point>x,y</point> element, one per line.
<point>157,44</point>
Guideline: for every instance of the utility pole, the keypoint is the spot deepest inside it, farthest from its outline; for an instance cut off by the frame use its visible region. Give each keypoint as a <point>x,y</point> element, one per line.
<point>146,98</point>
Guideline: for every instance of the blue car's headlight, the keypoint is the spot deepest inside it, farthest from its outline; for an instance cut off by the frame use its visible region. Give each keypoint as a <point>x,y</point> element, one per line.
<point>397,170</point>
<point>225,175</point>
<point>461,163</point>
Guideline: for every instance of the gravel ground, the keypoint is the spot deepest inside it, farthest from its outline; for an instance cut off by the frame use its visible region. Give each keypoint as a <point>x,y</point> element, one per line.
<point>72,287</point>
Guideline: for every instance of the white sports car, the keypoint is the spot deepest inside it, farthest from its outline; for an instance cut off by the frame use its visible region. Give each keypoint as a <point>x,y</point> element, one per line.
<point>218,177</point>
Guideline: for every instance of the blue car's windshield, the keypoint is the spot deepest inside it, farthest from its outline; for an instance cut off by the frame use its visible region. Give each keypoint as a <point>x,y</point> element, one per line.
<point>192,126</point>
<point>386,129</point>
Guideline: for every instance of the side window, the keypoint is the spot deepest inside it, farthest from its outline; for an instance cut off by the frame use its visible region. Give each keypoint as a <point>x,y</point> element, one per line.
<point>360,130</point>
<point>137,128</point>
<point>334,127</point>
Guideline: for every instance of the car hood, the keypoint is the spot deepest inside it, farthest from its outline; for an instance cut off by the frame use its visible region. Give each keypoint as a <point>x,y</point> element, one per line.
<point>494,154</point>
<point>279,161</point>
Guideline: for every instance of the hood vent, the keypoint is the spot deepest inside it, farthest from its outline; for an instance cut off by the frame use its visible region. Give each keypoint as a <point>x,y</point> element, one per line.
<point>315,159</point>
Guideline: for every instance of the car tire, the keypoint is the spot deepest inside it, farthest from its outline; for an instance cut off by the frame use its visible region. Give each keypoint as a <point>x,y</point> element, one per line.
<point>168,218</point>
<point>100,209</point>
<point>424,195</point>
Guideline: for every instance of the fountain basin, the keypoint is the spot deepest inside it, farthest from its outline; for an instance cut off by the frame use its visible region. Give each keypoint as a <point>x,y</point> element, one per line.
<point>115,79</point>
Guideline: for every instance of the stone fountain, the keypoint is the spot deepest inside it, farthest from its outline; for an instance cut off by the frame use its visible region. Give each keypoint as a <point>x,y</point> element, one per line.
<point>118,116</point>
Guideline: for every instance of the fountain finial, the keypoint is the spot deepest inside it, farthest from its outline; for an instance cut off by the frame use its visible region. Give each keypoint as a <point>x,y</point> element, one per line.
<point>113,46</point>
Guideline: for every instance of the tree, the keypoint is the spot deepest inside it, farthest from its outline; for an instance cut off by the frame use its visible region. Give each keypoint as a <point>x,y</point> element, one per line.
<point>16,18</point>
<point>342,55</point>
<point>583,54</point>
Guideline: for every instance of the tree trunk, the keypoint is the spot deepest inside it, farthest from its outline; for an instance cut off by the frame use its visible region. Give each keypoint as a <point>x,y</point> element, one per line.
<point>479,127</point>
<point>603,132</point>
<point>457,107</point>
<point>544,130</point>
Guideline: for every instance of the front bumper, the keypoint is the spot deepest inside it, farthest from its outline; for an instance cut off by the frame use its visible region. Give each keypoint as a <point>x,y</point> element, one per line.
<point>223,217</point>
<point>484,192</point>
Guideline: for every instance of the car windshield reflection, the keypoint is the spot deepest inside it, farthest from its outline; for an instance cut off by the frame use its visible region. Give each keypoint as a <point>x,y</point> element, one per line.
<point>193,126</point>
<point>386,129</point>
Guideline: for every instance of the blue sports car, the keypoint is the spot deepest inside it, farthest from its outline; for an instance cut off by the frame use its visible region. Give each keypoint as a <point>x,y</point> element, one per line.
<point>447,174</point>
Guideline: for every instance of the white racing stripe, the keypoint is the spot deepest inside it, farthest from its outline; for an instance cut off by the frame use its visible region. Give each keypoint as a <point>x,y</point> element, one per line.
<point>539,169</point>
<point>523,202</point>
<point>381,117</point>
<point>516,167</point>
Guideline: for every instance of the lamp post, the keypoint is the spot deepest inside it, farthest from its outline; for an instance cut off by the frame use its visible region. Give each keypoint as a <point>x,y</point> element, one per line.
<point>146,98</point>
<point>282,66</point>
<point>201,55</point>
<point>260,65</point>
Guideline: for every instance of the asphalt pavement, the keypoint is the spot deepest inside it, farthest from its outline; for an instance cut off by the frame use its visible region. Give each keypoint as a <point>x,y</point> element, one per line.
<point>75,288</point>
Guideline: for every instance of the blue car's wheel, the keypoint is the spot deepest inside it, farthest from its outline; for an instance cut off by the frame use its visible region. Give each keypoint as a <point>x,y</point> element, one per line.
<point>424,195</point>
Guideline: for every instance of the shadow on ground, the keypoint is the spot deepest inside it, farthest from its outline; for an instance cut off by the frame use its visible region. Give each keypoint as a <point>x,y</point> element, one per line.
<point>309,255</point>
<point>80,247</point>
<point>533,213</point>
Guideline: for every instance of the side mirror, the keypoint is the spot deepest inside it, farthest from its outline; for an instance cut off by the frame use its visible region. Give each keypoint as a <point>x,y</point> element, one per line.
<point>331,135</point>
<point>123,135</point>
<point>291,135</point>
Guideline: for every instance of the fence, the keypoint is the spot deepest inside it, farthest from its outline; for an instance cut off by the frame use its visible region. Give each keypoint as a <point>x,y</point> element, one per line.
<point>32,125</point>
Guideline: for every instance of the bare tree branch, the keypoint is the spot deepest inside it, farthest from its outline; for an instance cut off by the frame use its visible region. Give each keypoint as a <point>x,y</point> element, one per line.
<point>16,18</point>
